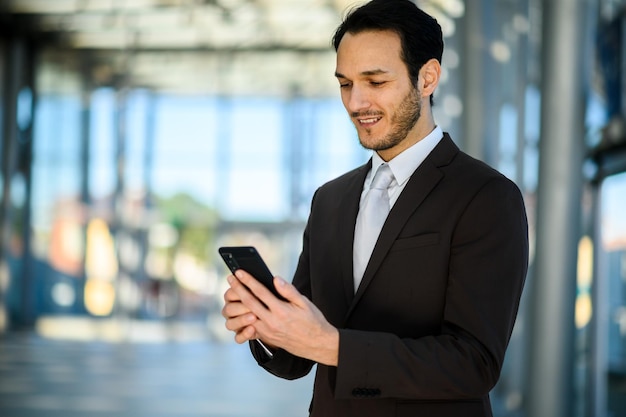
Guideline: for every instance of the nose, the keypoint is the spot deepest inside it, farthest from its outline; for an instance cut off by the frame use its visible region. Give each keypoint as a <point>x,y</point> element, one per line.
<point>357,99</point>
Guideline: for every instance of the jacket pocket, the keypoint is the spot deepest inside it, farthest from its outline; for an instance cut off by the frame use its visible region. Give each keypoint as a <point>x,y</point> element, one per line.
<point>470,408</point>
<point>415,241</point>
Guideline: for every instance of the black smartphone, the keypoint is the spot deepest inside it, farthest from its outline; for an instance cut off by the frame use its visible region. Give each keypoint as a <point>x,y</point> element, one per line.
<point>248,259</point>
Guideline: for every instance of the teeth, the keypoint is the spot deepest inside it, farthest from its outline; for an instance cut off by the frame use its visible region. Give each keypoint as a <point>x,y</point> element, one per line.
<point>372,120</point>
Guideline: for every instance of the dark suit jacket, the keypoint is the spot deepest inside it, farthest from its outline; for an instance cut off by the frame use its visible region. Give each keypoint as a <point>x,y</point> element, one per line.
<point>427,330</point>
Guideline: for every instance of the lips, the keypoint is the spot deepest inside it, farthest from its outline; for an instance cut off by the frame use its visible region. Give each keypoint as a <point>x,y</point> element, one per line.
<point>368,120</point>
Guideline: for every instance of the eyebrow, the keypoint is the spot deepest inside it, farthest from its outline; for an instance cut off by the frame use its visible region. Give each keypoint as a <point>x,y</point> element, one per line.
<point>364,73</point>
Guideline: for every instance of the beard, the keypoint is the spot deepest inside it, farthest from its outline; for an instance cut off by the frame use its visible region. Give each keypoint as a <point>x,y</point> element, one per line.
<point>402,121</point>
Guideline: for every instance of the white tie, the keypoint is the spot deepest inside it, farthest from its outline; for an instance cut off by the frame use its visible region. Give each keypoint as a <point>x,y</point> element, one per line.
<point>370,221</point>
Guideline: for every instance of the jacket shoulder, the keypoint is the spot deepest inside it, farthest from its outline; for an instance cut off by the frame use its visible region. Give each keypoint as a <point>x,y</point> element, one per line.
<point>357,175</point>
<point>464,168</point>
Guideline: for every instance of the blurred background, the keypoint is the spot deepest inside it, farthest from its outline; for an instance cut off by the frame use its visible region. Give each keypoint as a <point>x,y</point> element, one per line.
<point>138,136</point>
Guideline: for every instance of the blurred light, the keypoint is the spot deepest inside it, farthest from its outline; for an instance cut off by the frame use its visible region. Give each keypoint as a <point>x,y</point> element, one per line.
<point>129,251</point>
<point>190,273</point>
<point>615,132</point>
<point>73,6</point>
<point>514,400</point>
<point>66,244</point>
<point>63,294</point>
<point>4,321</point>
<point>584,310</point>
<point>500,51</point>
<point>454,8</point>
<point>443,119</point>
<point>100,261</point>
<point>99,297</point>
<point>214,284</point>
<point>453,106</point>
<point>117,331</point>
<point>101,268</point>
<point>448,27</point>
<point>129,295</point>
<point>585,262</point>
<point>620,319</point>
<point>179,38</point>
<point>613,221</point>
<point>5,276</point>
<point>158,265</point>
<point>584,305</point>
<point>75,328</point>
<point>521,23</point>
<point>24,108</point>
<point>450,58</point>
<point>162,235</point>
<point>39,6</point>
<point>101,40</point>
<point>18,190</point>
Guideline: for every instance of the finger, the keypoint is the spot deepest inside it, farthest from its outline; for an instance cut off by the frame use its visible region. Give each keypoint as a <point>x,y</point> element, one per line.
<point>237,324</point>
<point>245,335</point>
<point>234,309</point>
<point>230,296</point>
<point>257,290</point>
<point>251,292</point>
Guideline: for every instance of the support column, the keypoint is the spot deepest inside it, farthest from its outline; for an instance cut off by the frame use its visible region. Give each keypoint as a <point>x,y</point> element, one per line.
<point>11,85</point>
<point>550,386</point>
<point>16,165</point>
<point>85,130</point>
<point>473,55</point>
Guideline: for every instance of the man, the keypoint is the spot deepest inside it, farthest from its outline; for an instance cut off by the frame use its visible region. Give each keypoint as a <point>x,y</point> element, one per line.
<point>420,326</point>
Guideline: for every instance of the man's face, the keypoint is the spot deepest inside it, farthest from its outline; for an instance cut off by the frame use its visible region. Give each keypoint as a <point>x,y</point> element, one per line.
<point>377,92</point>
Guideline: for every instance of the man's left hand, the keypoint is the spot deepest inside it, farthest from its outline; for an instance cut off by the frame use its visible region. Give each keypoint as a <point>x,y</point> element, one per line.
<point>295,325</point>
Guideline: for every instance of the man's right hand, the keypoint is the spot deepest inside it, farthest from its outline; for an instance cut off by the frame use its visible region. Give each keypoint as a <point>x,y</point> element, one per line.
<point>239,318</point>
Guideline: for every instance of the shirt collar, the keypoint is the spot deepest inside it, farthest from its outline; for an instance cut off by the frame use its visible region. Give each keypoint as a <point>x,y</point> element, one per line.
<point>404,164</point>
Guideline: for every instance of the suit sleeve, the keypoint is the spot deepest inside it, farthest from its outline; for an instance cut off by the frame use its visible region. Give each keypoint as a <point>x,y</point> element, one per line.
<point>487,269</point>
<point>284,364</point>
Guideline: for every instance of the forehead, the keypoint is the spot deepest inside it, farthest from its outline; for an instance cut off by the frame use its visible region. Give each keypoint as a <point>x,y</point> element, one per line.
<point>370,50</point>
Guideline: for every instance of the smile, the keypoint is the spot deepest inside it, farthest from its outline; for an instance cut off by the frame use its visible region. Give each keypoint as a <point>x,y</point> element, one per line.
<point>369,121</point>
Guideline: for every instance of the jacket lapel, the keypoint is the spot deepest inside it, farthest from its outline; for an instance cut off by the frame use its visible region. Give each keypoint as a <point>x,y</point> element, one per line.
<point>421,183</point>
<point>349,209</point>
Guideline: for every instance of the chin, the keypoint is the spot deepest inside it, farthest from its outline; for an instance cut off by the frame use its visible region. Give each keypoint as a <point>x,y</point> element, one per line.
<point>369,144</point>
<point>376,144</point>
<point>369,141</point>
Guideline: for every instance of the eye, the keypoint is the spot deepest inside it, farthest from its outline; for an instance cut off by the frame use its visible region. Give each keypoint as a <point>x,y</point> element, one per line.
<point>345,85</point>
<point>377,83</point>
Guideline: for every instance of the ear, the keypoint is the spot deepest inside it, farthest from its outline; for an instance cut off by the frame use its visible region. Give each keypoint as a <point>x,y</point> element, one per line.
<point>429,76</point>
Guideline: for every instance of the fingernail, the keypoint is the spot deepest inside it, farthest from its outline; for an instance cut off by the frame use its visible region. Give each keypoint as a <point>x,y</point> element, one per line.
<point>239,274</point>
<point>229,279</point>
<point>281,281</point>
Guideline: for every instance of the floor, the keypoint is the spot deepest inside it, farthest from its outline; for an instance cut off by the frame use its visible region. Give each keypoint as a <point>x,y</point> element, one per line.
<point>81,368</point>
<point>54,378</point>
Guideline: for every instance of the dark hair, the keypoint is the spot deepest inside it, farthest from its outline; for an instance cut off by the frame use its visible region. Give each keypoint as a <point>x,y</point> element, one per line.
<point>420,35</point>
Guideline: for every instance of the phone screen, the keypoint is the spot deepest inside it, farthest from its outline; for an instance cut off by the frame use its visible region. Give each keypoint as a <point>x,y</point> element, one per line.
<point>248,259</point>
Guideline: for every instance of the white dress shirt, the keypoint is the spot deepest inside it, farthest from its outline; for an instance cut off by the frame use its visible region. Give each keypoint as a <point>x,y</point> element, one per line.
<point>402,165</point>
